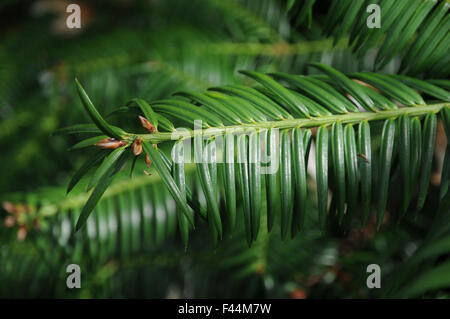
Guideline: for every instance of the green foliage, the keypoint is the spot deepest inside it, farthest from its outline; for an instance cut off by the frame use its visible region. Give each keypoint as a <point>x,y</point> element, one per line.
<point>418,30</point>
<point>343,160</point>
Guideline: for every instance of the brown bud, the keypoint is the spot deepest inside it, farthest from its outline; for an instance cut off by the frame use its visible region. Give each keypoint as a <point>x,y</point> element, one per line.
<point>148,161</point>
<point>147,173</point>
<point>364,157</point>
<point>298,294</point>
<point>9,221</point>
<point>110,143</point>
<point>137,146</point>
<point>22,233</point>
<point>147,124</point>
<point>10,207</point>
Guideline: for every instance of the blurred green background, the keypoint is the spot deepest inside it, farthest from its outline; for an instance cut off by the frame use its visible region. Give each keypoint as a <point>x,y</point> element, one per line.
<point>130,247</point>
